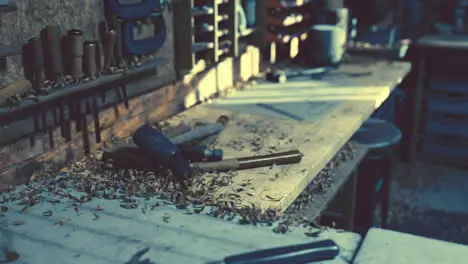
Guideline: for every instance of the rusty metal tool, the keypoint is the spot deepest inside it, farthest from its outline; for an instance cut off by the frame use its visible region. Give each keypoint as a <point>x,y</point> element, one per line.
<point>54,52</point>
<point>281,158</point>
<point>109,42</point>
<point>89,59</point>
<point>38,62</point>
<point>75,37</point>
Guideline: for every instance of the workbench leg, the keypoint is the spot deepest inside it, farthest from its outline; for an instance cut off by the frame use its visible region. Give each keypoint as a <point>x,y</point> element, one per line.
<point>417,106</point>
<point>349,193</point>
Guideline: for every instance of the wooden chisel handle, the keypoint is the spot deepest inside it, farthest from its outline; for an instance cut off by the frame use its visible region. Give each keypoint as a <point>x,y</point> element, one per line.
<point>109,40</point>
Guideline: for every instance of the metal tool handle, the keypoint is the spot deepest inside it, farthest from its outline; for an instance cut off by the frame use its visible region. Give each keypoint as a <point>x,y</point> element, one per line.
<point>304,253</point>
<point>281,158</point>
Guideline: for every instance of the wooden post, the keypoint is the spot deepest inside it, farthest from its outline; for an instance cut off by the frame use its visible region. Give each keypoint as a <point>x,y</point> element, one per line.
<point>183,24</point>
<point>214,52</point>
<point>261,24</point>
<point>233,25</point>
<point>417,105</point>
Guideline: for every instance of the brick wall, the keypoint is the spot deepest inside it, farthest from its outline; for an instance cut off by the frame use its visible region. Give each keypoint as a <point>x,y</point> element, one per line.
<point>20,159</point>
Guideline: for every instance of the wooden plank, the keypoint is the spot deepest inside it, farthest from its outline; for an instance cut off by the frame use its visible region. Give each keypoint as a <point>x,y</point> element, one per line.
<point>316,117</point>
<point>444,41</point>
<point>120,233</point>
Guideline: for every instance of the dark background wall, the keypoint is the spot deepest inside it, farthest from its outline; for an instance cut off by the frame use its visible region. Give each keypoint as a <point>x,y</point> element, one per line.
<point>33,15</point>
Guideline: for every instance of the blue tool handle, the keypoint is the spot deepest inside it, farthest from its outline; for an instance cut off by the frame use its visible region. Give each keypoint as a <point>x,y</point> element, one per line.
<point>304,253</point>
<point>133,9</point>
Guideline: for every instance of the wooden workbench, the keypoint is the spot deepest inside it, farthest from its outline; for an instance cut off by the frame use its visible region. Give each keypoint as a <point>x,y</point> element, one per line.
<point>315,116</point>
<point>170,235</point>
<point>389,247</point>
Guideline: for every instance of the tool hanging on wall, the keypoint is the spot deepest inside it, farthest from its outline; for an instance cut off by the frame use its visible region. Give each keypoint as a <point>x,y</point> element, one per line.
<point>89,59</point>
<point>38,63</point>
<point>75,38</point>
<point>141,23</point>
<point>54,53</point>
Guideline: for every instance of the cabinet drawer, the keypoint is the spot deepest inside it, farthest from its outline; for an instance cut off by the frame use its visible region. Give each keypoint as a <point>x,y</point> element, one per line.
<point>455,104</point>
<point>455,150</point>
<point>447,125</point>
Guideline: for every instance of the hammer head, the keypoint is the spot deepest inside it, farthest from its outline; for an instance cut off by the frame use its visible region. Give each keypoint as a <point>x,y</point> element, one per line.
<point>276,76</point>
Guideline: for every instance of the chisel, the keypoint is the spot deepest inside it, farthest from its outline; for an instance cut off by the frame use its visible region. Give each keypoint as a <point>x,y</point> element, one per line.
<point>303,253</point>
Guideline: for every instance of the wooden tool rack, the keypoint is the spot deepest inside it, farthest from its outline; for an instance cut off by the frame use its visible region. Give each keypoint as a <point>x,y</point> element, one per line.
<point>288,25</point>
<point>209,30</point>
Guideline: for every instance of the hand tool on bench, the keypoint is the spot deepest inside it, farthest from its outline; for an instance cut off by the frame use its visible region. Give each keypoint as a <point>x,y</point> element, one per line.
<point>129,156</point>
<point>244,163</point>
<point>201,132</point>
<point>303,253</point>
<point>161,150</point>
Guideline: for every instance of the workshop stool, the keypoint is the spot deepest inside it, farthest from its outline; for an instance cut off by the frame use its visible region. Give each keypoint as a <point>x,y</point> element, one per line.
<point>374,173</point>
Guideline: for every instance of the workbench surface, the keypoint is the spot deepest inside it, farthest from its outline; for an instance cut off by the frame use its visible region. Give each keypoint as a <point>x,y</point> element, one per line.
<point>390,247</point>
<point>316,116</point>
<point>171,235</point>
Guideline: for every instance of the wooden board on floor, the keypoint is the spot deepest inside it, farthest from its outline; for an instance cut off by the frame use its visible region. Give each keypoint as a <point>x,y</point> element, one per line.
<point>315,116</point>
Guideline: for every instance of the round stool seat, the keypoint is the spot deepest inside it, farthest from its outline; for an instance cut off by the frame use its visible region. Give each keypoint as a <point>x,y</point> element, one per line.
<point>379,136</point>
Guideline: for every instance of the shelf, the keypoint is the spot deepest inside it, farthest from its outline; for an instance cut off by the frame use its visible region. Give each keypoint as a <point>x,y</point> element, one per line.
<point>10,51</point>
<point>286,21</point>
<point>247,32</point>
<point>27,107</point>
<point>287,3</point>
<point>277,38</point>
<point>201,46</point>
<point>200,11</point>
